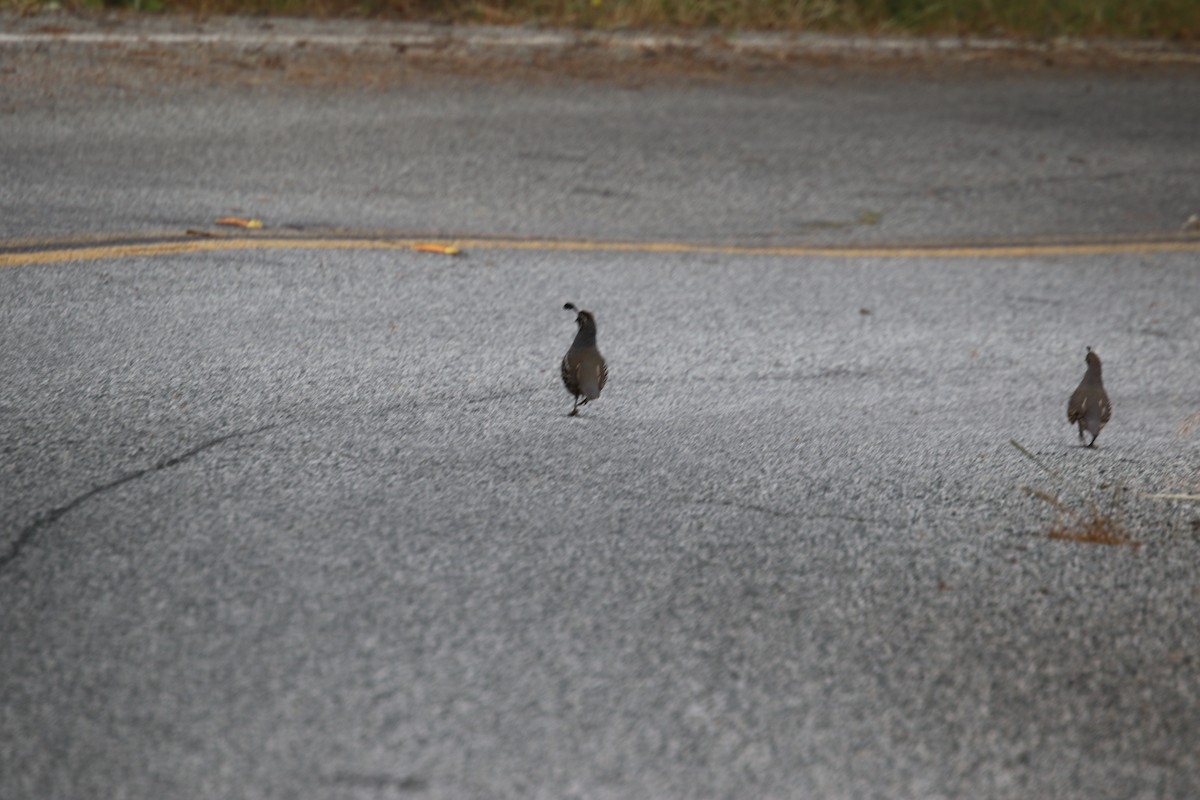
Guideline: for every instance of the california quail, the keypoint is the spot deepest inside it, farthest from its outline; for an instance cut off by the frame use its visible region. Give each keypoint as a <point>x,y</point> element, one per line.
<point>1089,404</point>
<point>584,371</point>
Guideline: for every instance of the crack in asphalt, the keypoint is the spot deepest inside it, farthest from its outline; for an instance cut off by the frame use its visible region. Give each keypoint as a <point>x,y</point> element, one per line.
<point>504,395</point>
<point>774,512</point>
<point>30,531</point>
<point>27,534</point>
<point>379,781</point>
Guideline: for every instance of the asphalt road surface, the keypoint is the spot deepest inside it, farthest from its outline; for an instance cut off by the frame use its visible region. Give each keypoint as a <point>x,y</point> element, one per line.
<point>301,514</point>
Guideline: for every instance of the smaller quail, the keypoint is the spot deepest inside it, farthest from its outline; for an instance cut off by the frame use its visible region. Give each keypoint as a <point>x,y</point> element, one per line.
<point>1089,406</point>
<point>584,371</point>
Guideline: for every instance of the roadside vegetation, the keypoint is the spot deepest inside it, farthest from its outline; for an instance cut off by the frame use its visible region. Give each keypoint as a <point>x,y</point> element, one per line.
<point>1084,519</point>
<point>1144,19</point>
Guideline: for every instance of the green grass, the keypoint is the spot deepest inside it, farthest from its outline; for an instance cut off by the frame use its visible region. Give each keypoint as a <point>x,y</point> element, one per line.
<point>1151,19</point>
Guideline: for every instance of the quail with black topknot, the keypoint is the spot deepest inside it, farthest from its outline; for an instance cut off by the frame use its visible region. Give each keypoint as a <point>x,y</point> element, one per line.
<point>1089,406</point>
<point>584,371</point>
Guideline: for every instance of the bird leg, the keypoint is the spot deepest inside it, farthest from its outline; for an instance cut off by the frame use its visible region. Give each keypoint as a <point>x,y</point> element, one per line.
<point>575,408</point>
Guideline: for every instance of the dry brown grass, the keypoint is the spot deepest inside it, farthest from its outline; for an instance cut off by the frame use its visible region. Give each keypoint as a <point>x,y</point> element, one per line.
<point>1093,525</point>
<point>1042,19</point>
<point>1189,424</point>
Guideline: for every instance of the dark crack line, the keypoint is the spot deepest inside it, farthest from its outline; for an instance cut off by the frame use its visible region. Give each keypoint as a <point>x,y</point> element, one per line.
<point>379,781</point>
<point>775,512</point>
<point>508,395</point>
<point>26,535</point>
<point>762,377</point>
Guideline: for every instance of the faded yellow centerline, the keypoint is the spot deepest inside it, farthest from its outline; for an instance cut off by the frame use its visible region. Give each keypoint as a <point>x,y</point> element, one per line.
<point>51,254</point>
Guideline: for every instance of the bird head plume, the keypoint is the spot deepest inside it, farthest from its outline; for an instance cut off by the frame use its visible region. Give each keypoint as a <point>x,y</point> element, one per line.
<point>585,321</point>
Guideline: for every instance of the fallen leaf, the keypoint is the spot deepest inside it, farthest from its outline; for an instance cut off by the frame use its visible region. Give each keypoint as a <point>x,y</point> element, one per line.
<point>444,249</point>
<point>239,222</point>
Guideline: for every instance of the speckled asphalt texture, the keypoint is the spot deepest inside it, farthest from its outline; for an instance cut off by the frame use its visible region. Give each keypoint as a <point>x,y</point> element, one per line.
<point>301,523</point>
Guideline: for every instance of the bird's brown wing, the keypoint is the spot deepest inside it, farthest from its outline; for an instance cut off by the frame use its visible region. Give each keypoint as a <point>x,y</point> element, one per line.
<point>1105,408</point>
<point>1077,405</point>
<point>570,375</point>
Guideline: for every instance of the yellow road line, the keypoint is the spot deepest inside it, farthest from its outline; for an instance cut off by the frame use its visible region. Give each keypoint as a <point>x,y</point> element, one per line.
<point>97,252</point>
<point>881,251</point>
<point>1012,250</point>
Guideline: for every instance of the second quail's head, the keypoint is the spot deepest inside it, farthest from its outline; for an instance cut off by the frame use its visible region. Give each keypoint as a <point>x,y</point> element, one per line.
<point>1092,359</point>
<point>585,319</point>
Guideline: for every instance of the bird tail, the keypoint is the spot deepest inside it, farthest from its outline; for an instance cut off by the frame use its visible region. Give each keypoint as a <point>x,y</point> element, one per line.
<point>589,384</point>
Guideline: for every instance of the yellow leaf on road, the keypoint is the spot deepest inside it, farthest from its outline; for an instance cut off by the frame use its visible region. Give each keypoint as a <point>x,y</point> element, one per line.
<point>239,222</point>
<point>444,249</point>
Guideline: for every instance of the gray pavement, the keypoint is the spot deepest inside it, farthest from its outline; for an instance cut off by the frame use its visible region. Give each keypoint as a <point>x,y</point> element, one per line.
<point>313,523</point>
